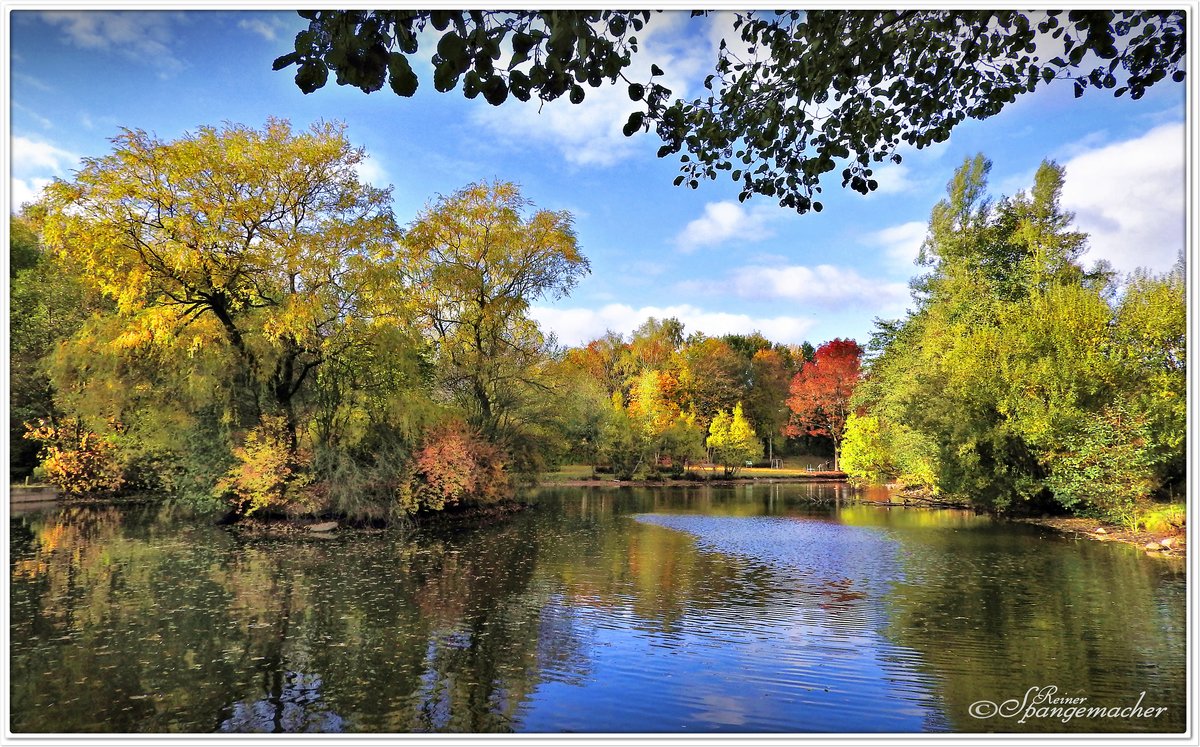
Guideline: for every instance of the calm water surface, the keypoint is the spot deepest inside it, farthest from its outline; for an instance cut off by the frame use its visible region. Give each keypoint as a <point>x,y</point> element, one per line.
<point>743,609</point>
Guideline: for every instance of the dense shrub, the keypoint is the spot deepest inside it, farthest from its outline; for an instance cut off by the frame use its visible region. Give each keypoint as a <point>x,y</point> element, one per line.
<point>75,459</point>
<point>455,466</point>
<point>269,473</point>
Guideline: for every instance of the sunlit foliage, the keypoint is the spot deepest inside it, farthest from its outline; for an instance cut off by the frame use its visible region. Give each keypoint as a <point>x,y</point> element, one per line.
<point>1022,380</point>
<point>819,394</point>
<point>74,459</point>
<point>732,440</point>
<point>478,263</point>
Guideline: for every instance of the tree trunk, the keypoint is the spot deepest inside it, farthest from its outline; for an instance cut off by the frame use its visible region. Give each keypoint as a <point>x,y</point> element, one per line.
<point>485,408</point>
<point>246,406</point>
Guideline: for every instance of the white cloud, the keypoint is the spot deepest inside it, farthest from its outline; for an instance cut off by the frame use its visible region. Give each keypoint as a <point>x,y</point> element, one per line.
<point>727,220</point>
<point>34,164</point>
<point>901,244</point>
<point>589,133</point>
<point>33,156</point>
<point>270,28</point>
<point>144,36</point>
<point>42,121</point>
<point>823,285</point>
<point>372,172</point>
<point>1079,146</point>
<point>1129,197</point>
<point>577,326</point>
<point>893,180</point>
<point>23,191</point>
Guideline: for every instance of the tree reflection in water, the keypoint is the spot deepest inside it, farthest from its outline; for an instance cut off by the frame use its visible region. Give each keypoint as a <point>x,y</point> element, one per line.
<point>725,613</point>
<point>294,706</point>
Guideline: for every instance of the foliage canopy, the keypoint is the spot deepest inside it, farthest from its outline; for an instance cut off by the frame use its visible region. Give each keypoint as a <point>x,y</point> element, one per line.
<point>796,95</point>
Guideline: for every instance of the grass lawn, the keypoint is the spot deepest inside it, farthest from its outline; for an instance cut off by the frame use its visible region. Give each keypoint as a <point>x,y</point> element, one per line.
<point>801,466</point>
<point>569,472</point>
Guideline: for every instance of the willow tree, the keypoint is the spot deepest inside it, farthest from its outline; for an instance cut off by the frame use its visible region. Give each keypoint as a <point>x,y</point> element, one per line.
<point>478,263</point>
<point>257,248</point>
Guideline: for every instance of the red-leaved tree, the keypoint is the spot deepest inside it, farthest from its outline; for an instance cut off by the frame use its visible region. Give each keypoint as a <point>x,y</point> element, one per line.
<point>819,395</point>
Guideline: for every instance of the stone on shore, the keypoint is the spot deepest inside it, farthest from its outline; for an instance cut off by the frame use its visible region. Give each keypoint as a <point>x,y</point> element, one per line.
<point>325,526</point>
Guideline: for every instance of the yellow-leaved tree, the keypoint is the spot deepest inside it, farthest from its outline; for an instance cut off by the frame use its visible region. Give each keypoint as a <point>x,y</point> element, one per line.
<point>479,262</point>
<point>251,255</point>
<point>732,439</point>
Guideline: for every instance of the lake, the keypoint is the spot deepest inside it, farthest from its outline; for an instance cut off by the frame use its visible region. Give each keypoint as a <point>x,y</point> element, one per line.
<point>779,608</point>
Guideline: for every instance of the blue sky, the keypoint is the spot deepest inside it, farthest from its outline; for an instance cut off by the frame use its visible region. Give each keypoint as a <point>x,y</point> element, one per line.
<point>717,265</point>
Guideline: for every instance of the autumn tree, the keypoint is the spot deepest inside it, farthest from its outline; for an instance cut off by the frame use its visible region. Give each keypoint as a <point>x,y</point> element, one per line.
<point>238,262</point>
<point>263,241</point>
<point>478,263</point>
<point>732,439</point>
<point>712,377</point>
<point>819,395</point>
<point>766,401</point>
<point>792,96</point>
<point>607,359</point>
<point>654,341</point>
<point>651,401</point>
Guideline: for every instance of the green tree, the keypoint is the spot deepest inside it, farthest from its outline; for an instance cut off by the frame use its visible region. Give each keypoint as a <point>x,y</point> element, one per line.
<point>732,440</point>
<point>766,401</point>
<point>582,413</point>
<point>47,304</point>
<point>622,443</point>
<point>796,95</point>
<point>682,442</point>
<point>1104,462</point>
<point>1013,383</point>
<point>1150,349</point>
<point>865,458</point>
<point>712,377</point>
<point>23,250</point>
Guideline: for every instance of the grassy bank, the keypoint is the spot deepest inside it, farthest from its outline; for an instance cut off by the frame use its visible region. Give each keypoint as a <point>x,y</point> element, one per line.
<point>792,468</point>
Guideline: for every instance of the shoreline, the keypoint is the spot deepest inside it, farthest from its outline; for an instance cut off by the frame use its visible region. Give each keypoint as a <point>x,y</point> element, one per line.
<point>329,527</point>
<point>1171,544</point>
<point>818,478</point>
<point>1093,529</point>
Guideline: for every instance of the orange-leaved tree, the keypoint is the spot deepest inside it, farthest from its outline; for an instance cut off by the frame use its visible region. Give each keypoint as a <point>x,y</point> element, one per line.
<point>819,395</point>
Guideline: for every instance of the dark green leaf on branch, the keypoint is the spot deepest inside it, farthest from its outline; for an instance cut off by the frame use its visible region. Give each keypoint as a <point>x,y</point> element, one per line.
<point>401,76</point>
<point>634,124</point>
